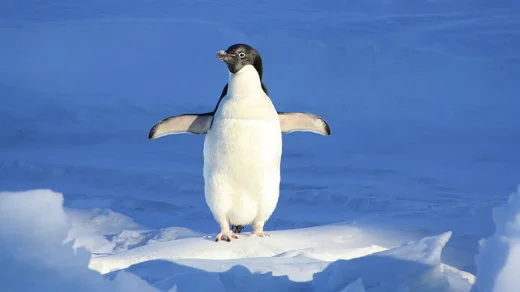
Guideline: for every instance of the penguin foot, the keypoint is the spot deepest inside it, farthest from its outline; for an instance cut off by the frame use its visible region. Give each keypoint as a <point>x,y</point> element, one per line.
<point>226,236</point>
<point>258,229</point>
<point>260,234</point>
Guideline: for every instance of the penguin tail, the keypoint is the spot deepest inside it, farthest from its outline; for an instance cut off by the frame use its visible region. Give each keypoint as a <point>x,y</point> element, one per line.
<point>237,228</point>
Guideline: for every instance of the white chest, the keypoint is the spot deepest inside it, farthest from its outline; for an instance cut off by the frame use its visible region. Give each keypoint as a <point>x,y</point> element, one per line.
<point>245,99</point>
<point>245,138</point>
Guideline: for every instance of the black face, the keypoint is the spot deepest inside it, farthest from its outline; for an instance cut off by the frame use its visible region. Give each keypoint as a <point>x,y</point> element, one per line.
<point>239,55</point>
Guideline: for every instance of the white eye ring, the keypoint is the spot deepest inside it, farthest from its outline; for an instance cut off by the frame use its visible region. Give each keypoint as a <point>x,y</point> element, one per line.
<point>241,55</point>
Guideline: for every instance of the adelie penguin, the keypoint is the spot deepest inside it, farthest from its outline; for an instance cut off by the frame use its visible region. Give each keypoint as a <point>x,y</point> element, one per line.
<point>243,144</point>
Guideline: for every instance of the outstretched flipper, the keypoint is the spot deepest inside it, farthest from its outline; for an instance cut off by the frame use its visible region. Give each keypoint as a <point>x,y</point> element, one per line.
<point>303,122</point>
<point>189,123</point>
<point>201,123</point>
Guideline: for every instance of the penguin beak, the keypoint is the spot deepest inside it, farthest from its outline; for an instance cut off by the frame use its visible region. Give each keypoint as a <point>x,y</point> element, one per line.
<point>222,55</point>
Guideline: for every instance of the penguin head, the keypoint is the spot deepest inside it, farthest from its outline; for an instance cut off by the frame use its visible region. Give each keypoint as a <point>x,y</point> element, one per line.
<point>239,55</point>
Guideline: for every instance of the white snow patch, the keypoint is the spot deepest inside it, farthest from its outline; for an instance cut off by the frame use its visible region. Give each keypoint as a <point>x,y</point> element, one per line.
<point>107,232</point>
<point>327,243</point>
<point>498,261</point>
<point>34,257</point>
<point>332,259</point>
<point>90,229</point>
<point>414,266</point>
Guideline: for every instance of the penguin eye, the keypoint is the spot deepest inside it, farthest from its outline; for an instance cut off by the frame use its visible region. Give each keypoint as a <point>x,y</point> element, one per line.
<point>241,55</point>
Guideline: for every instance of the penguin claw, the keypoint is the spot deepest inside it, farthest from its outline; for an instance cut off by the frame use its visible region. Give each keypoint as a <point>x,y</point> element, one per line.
<point>260,234</point>
<point>226,236</point>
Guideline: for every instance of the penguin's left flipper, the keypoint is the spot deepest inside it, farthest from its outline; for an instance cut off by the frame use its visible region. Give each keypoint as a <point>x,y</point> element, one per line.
<point>188,123</point>
<point>303,122</point>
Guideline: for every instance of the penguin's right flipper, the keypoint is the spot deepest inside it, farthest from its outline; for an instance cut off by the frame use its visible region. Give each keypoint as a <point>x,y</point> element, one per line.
<point>188,123</point>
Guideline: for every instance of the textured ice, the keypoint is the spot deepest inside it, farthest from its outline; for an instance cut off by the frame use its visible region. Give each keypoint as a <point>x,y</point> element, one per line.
<point>498,260</point>
<point>34,255</point>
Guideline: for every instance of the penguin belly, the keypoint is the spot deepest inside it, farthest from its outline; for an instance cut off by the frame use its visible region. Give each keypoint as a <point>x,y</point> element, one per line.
<point>242,155</point>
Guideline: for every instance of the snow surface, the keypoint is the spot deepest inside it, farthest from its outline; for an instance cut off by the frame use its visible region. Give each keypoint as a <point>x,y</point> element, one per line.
<point>421,96</point>
<point>34,256</point>
<point>498,261</point>
<point>35,244</point>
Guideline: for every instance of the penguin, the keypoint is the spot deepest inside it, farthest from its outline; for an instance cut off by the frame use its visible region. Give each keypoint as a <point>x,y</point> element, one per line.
<point>243,144</point>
